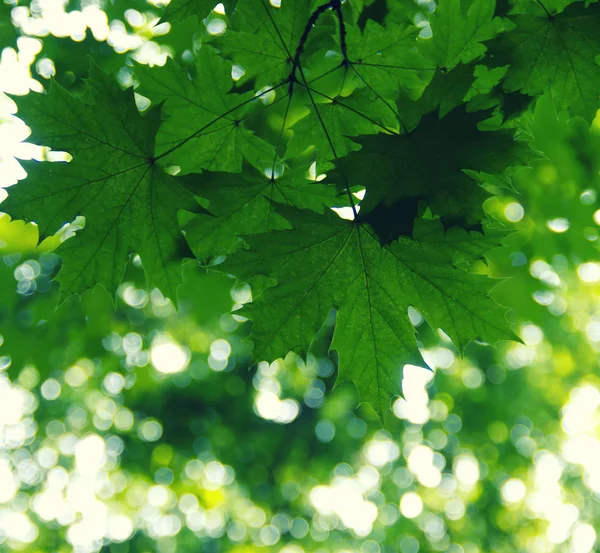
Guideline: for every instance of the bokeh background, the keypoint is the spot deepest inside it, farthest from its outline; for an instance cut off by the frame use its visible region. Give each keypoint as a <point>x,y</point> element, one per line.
<point>127,425</point>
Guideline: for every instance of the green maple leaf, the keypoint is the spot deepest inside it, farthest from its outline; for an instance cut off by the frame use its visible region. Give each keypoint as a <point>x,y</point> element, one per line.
<point>130,205</point>
<point>239,204</point>
<point>429,164</point>
<point>325,262</point>
<point>458,35</point>
<point>203,126</point>
<point>386,59</point>
<point>557,51</point>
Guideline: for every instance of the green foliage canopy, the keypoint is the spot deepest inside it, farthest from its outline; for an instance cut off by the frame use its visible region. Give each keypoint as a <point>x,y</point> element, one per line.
<point>358,98</point>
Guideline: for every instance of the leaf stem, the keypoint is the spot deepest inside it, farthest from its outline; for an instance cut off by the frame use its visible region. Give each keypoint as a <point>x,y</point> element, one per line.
<point>337,6</point>
<point>300,49</point>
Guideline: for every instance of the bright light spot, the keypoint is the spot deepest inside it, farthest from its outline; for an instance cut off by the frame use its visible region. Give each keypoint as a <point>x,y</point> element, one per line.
<point>19,527</point>
<point>241,293</point>
<point>413,406</point>
<point>414,382</point>
<point>220,350</point>
<point>589,272</point>
<point>9,485</point>
<point>380,452</point>
<point>513,490</point>
<point>158,496</point>
<point>514,212</point>
<point>237,72</point>
<point>561,517</point>
<point>51,389</point>
<point>90,454</point>
<point>274,171</point>
<point>269,406</point>
<point>168,356</point>
<point>133,296</point>
<point>46,457</point>
<point>369,478</point>
<point>91,527</point>
<point>583,538</point>
<point>141,102</point>
<point>597,216</point>
<point>548,469</point>
<point>76,376</point>
<point>123,419</point>
<point>312,173</point>
<point>543,271</point>
<point>472,377</point>
<point>120,527</point>
<point>266,95</point>
<point>216,26</point>
<point>580,415</point>
<point>455,509</point>
<point>216,474</point>
<point>45,68</point>
<point>466,470</point>
<point>421,464</point>
<point>558,225</point>
<point>325,431</point>
<point>532,335</point>
<point>344,498</point>
<point>346,212</point>
<point>588,197</point>
<point>411,505</point>
<point>269,535</point>
<point>114,383</point>
<point>415,317</point>
<point>13,402</point>
<point>442,357</point>
<point>519,356</point>
<point>150,430</point>
<point>544,297</point>
<point>135,18</point>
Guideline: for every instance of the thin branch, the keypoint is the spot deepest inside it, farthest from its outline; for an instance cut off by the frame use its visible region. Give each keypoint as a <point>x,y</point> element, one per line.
<point>303,38</point>
<point>337,6</point>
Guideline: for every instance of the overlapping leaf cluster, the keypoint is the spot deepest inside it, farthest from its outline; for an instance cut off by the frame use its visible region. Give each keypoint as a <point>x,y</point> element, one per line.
<point>292,111</point>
